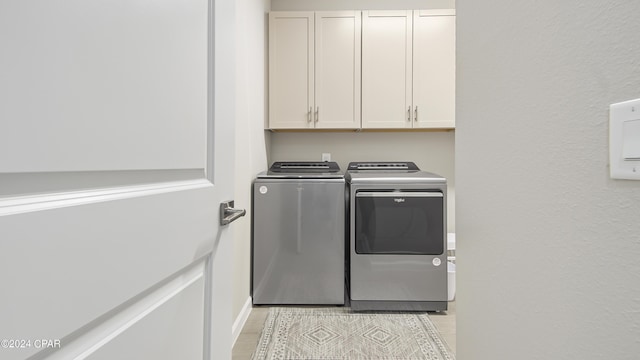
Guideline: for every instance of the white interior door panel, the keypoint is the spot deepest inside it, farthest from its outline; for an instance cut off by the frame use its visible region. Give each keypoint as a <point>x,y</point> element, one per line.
<point>91,254</point>
<point>103,85</point>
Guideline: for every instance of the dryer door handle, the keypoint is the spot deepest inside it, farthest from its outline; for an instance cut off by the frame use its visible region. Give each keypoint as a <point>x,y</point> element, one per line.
<point>393,194</point>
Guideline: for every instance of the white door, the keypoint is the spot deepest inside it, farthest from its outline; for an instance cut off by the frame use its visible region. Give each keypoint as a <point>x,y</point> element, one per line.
<point>291,57</point>
<point>434,68</point>
<point>386,69</point>
<point>337,69</point>
<point>116,120</point>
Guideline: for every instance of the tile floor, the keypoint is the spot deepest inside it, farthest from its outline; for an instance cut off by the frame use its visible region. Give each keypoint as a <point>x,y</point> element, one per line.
<point>248,339</point>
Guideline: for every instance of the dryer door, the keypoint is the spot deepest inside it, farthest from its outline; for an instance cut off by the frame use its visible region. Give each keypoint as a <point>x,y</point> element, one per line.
<point>399,223</point>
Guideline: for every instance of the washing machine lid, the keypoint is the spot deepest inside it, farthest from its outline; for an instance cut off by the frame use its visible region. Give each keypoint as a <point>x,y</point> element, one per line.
<point>389,173</point>
<point>383,166</point>
<point>304,169</point>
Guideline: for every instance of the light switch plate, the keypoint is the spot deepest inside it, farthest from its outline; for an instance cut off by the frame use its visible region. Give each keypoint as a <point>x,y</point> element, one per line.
<point>624,140</point>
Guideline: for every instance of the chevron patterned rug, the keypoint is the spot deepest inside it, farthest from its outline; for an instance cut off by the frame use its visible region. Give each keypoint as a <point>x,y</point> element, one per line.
<point>339,333</point>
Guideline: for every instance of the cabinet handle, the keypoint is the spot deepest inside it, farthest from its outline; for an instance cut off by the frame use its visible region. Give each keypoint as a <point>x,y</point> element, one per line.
<point>415,117</point>
<point>309,114</point>
<point>317,113</point>
<point>409,113</point>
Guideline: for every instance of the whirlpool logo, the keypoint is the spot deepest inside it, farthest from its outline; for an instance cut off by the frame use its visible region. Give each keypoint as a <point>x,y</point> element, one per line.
<point>398,200</point>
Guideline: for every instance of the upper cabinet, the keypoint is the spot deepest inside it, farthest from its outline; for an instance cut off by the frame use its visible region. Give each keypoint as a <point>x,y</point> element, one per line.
<point>370,69</point>
<point>386,69</point>
<point>291,60</point>
<point>408,69</point>
<point>434,68</point>
<point>314,70</point>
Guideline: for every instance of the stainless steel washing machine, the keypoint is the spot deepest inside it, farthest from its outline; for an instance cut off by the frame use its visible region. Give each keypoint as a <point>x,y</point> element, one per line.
<point>298,234</point>
<point>397,237</point>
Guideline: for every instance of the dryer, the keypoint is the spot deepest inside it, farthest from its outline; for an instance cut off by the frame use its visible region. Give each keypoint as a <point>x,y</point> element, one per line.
<point>397,237</point>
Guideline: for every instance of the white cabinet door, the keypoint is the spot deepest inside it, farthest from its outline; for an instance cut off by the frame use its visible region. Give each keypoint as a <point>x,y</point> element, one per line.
<point>337,70</point>
<point>408,69</point>
<point>386,69</point>
<point>314,70</point>
<point>434,68</point>
<point>291,64</point>
<point>113,160</point>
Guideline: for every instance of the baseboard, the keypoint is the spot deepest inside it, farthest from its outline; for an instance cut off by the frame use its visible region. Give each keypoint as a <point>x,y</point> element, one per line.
<point>241,320</point>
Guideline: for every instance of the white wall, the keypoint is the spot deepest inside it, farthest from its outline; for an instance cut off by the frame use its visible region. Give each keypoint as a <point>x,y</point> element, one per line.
<point>548,245</point>
<point>432,151</point>
<point>251,158</point>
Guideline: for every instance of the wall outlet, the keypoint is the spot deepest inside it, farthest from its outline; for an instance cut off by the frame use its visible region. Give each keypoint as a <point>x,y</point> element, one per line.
<point>326,156</point>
